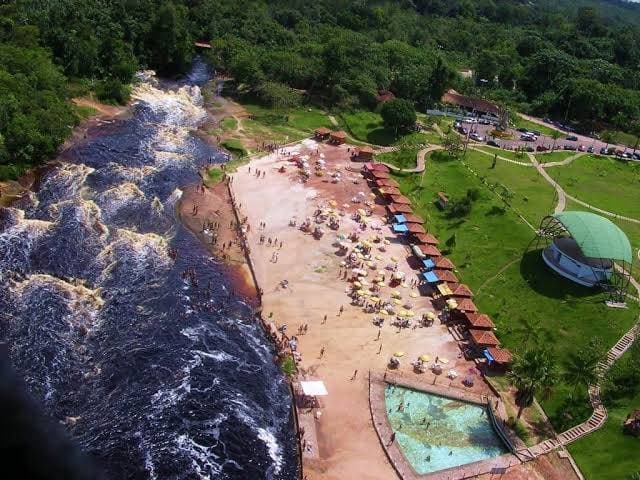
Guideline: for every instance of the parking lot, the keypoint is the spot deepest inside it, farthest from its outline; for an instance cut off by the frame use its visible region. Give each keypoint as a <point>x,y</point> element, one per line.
<point>539,143</point>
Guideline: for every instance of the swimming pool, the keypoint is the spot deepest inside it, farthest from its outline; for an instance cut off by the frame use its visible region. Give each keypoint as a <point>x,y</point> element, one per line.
<point>436,433</point>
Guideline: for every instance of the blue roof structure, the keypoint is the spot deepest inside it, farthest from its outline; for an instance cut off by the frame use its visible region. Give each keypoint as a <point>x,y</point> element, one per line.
<point>400,218</point>
<point>428,264</point>
<point>430,277</point>
<point>488,356</point>
<point>400,228</point>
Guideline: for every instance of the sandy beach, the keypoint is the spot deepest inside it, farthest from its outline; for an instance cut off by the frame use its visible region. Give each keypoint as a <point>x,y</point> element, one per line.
<point>342,442</point>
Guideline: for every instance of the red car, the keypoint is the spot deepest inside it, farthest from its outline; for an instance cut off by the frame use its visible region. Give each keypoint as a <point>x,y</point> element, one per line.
<point>542,148</point>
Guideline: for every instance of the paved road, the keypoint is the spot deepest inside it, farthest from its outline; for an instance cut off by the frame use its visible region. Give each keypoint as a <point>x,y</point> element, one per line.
<point>542,140</point>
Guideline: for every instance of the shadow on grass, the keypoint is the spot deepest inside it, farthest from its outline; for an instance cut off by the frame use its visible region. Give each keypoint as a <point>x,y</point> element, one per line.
<point>380,136</point>
<point>548,283</point>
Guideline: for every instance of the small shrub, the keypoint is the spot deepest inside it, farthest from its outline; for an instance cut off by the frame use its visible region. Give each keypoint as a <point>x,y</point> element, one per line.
<point>288,366</point>
<point>113,90</point>
<point>518,427</point>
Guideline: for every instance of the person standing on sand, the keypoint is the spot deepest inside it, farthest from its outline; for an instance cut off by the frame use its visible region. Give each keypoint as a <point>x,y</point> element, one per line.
<point>322,352</point>
<point>393,439</point>
<point>324,320</point>
<point>379,349</point>
<point>379,331</point>
<point>355,374</point>
<point>341,310</point>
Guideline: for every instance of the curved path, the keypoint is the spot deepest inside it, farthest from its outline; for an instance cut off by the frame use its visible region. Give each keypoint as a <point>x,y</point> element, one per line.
<point>420,161</point>
<point>566,161</point>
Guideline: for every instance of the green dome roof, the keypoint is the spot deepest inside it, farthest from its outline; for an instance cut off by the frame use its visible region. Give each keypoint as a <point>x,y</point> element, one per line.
<point>596,236</point>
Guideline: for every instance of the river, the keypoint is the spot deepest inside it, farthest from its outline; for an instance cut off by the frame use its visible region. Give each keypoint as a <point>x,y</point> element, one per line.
<point>155,377</point>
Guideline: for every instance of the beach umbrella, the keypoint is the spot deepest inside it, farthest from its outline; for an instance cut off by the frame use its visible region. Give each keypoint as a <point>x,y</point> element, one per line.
<point>396,293</point>
<point>397,302</point>
<point>387,242</point>
<point>425,357</point>
<point>375,299</point>
<point>411,313</point>
<point>361,292</point>
<point>403,313</point>
<point>451,303</point>
<point>394,259</point>
<point>398,354</point>
<point>443,360</point>
<point>431,315</point>
<point>383,312</point>
<point>343,263</point>
<point>413,295</point>
<point>364,282</point>
<point>357,284</point>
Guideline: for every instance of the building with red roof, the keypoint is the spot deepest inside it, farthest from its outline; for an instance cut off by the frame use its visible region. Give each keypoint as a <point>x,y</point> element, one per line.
<point>425,239</point>
<point>386,182</point>
<point>443,263</point>
<point>484,338</point>
<point>413,218</point>
<point>429,251</point>
<point>446,276</point>
<point>466,305</point>
<point>415,228</point>
<point>401,199</point>
<point>397,208</point>
<point>377,174</point>
<point>338,137</point>
<point>501,356</point>
<point>461,290</point>
<point>379,167</point>
<point>479,321</point>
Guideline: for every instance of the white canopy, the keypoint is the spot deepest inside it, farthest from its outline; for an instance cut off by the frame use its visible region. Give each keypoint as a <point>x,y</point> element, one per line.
<point>314,388</point>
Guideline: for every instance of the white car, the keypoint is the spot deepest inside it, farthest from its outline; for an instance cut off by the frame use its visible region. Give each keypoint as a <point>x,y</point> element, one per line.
<point>528,137</point>
<point>470,120</point>
<point>476,137</point>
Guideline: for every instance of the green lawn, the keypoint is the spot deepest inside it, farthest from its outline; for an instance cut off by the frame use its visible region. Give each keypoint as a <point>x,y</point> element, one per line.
<point>604,182</point>
<point>512,286</point>
<point>368,127</point>
<point>286,125</point>
<point>510,154</point>
<point>229,123</point>
<point>608,453</point>
<point>520,122</point>
<point>622,138</point>
<point>529,193</point>
<point>403,158</point>
<point>557,156</point>
<point>234,146</point>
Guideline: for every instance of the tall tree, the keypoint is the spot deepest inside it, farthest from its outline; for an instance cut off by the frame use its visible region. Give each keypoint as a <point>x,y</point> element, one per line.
<point>532,372</point>
<point>398,114</point>
<point>170,42</point>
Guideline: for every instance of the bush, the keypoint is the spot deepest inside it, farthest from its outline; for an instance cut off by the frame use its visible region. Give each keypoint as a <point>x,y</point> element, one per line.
<point>288,366</point>
<point>113,90</point>
<point>518,427</point>
<point>398,114</point>
<point>462,207</point>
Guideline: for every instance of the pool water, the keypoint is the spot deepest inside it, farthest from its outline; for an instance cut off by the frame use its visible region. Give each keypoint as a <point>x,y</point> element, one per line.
<point>436,433</point>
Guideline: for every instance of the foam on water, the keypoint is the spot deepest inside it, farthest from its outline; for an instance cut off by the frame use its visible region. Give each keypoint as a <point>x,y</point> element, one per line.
<point>164,378</point>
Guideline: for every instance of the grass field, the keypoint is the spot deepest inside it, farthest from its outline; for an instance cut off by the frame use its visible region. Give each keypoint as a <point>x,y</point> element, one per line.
<point>524,187</point>
<point>403,158</point>
<point>608,453</point>
<point>368,127</point>
<point>557,156</point>
<point>520,122</point>
<point>605,182</point>
<point>511,155</point>
<point>512,286</point>
<point>622,138</point>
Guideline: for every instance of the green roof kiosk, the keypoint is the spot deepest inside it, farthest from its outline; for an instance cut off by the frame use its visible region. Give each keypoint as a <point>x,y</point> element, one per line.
<point>589,250</point>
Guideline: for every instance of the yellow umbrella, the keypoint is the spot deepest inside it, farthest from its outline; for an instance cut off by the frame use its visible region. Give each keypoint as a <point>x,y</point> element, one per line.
<point>375,299</point>
<point>394,259</point>
<point>361,292</point>
<point>387,242</point>
<point>378,257</point>
<point>398,354</point>
<point>383,312</point>
<point>425,358</point>
<point>380,272</point>
<point>431,315</point>
<point>362,212</point>
<point>402,313</point>
<point>364,282</point>
<point>357,284</point>
<point>413,295</point>
<point>443,360</point>
<point>395,293</point>
<point>451,303</point>
<point>397,302</point>
<point>410,313</point>
<point>372,195</point>
<point>333,203</point>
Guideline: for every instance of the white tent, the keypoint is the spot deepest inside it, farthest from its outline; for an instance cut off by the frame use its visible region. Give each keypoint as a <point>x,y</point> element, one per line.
<point>314,388</point>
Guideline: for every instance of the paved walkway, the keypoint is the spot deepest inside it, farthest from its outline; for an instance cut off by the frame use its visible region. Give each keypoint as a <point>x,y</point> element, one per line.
<point>505,159</point>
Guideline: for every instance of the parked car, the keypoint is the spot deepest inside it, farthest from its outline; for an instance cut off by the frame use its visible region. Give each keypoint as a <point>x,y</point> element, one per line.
<point>529,148</point>
<point>470,120</point>
<point>570,147</point>
<point>572,138</point>
<point>636,155</point>
<point>484,121</point>
<point>582,148</point>
<point>462,130</point>
<point>528,137</point>
<point>457,124</point>
<point>492,143</point>
<point>476,136</point>
<point>590,149</point>
<point>547,120</point>
<point>542,148</point>
<point>603,151</point>
<point>536,133</point>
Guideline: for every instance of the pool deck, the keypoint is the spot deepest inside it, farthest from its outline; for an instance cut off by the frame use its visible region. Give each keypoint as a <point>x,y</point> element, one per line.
<point>377,384</point>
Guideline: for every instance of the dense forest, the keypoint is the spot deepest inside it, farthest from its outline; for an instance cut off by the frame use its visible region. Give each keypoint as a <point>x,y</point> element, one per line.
<point>572,60</point>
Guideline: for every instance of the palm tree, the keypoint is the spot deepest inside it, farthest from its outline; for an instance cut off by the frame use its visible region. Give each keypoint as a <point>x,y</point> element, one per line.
<point>531,372</point>
<point>580,369</point>
<point>555,134</point>
<point>530,330</point>
<point>607,137</point>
